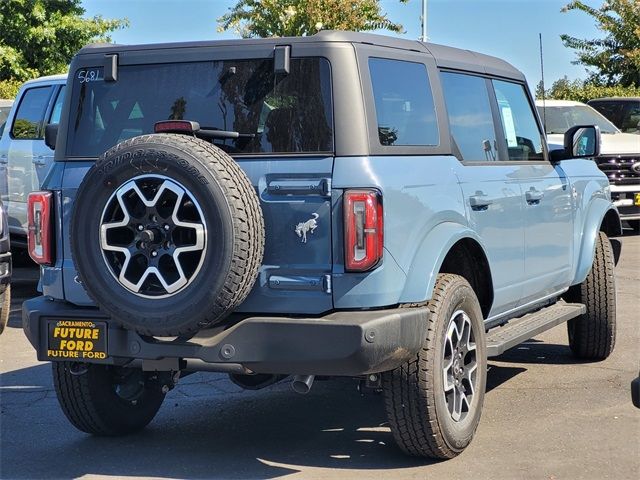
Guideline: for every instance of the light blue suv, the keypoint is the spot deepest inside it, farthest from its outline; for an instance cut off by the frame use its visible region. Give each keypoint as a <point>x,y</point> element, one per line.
<point>339,205</point>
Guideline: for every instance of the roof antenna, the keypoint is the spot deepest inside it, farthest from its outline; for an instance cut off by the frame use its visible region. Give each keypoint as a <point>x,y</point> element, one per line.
<point>544,106</point>
<point>424,21</point>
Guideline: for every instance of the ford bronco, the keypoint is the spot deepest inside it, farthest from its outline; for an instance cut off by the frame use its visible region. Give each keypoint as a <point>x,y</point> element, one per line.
<point>341,204</point>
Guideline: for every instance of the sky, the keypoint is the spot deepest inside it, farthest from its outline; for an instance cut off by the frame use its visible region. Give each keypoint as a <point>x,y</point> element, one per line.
<point>504,28</point>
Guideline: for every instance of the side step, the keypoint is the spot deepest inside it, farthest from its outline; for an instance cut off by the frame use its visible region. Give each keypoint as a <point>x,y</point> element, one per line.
<point>518,330</point>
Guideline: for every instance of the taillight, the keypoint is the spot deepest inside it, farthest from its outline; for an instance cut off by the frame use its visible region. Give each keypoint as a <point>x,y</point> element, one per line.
<point>363,229</point>
<point>39,236</point>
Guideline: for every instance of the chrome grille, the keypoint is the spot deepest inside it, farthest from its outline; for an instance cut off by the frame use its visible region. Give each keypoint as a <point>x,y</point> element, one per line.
<point>618,168</point>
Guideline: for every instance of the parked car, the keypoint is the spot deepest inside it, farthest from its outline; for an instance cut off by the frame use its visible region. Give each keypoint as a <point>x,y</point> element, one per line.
<point>5,270</point>
<point>25,160</point>
<point>5,107</point>
<point>623,112</point>
<point>342,204</point>
<point>619,153</point>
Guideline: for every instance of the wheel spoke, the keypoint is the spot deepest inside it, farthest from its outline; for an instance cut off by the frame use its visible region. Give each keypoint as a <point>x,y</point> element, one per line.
<point>459,365</point>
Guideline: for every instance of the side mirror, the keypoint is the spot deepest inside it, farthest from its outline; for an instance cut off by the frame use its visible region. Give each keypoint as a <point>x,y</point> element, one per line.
<point>50,135</point>
<point>581,141</point>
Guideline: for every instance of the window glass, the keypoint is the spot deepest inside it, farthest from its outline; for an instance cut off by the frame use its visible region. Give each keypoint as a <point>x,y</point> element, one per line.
<point>630,122</point>
<point>470,119</point>
<point>404,104</point>
<point>57,107</point>
<point>523,137</point>
<point>560,119</point>
<point>30,115</point>
<point>4,114</point>
<point>276,113</point>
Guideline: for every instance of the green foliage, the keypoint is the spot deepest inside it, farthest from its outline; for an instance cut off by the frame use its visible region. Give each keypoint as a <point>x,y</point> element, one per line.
<point>39,37</point>
<point>616,58</point>
<point>579,91</point>
<point>293,18</point>
<point>9,88</point>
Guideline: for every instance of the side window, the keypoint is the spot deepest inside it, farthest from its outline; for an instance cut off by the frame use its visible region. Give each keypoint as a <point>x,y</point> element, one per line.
<point>523,137</point>
<point>630,122</point>
<point>57,107</point>
<point>27,124</point>
<point>404,104</point>
<point>470,117</point>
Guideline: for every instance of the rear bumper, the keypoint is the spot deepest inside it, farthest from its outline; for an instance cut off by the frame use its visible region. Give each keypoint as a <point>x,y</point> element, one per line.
<point>341,343</point>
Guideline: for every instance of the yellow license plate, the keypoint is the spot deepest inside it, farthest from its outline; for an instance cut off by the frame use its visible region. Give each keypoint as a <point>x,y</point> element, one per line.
<point>636,199</point>
<point>76,340</point>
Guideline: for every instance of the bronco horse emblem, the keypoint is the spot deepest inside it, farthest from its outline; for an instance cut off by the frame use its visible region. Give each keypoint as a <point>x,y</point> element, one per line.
<point>307,227</point>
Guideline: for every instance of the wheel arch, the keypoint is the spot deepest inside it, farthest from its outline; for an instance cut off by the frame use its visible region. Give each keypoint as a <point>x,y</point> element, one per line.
<point>450,248</point>
<point>601,216</point>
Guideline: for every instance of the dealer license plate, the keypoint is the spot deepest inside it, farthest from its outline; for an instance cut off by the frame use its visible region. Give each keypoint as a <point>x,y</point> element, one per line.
<point>79,340</point>
<point>636,199</point>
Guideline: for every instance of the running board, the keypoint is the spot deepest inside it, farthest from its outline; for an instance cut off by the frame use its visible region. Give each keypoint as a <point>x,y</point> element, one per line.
<point>518,330</point>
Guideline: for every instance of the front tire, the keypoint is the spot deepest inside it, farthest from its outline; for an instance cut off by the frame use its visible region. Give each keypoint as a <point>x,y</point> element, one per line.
<point>434,401</point>
<point>592,335</point>
<point>106,400</point>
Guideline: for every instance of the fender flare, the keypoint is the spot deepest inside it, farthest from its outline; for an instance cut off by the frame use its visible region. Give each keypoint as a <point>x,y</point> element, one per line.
<point>430,255</point>
<point>595,215</point>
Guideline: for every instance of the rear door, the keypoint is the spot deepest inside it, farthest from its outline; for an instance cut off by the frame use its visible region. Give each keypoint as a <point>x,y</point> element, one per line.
<point>286,148</point>
<point>491,187</point>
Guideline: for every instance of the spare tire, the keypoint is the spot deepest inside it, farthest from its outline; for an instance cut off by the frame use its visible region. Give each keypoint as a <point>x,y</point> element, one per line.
<point>167,234</point>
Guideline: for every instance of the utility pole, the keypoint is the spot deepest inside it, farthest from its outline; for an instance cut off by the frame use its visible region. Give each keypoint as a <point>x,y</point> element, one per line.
<point>424,21</point>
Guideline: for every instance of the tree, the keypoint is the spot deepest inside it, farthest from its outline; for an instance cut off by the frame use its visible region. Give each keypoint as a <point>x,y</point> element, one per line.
<point>581,91</point>
<point>39,37</point>
<point>292,18</point>
<point>616,58</point>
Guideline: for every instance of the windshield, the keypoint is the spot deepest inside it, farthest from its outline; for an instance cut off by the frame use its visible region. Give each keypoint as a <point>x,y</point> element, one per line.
<point>283,113</point>
<point>560,119</point>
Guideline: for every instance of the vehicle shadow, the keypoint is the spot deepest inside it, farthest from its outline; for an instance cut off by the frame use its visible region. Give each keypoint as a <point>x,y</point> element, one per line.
<point>209,428</point>
<point>537,352</point>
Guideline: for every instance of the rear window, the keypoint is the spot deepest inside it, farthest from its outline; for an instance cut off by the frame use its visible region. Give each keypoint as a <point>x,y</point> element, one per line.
<point>283,113</point>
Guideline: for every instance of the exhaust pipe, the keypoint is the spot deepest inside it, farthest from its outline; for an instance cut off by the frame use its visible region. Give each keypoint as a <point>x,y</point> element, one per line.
<point>302,383</point>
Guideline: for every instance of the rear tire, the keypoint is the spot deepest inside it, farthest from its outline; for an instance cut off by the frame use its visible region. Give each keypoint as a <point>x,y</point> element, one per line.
<point>592,335</point>
<point>106,400</point>
<point>419,394</point>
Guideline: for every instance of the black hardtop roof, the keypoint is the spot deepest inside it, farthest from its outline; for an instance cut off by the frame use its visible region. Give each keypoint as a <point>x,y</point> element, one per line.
<point>446,57</point>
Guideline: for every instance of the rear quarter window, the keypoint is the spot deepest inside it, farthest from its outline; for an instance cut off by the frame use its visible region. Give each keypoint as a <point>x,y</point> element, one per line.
<point>404,105</point>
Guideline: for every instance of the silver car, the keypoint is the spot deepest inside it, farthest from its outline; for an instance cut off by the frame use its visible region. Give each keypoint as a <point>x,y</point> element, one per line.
<point>25,160</point>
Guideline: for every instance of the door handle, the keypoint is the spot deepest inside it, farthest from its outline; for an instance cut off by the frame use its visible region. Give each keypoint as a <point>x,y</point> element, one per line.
<point>39,160</point>
<point>480,201</point>
<point>4,159</point>
<point>533,196</point>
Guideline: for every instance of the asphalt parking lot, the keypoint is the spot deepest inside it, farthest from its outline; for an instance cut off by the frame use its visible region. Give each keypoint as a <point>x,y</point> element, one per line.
<point>546,416</point>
